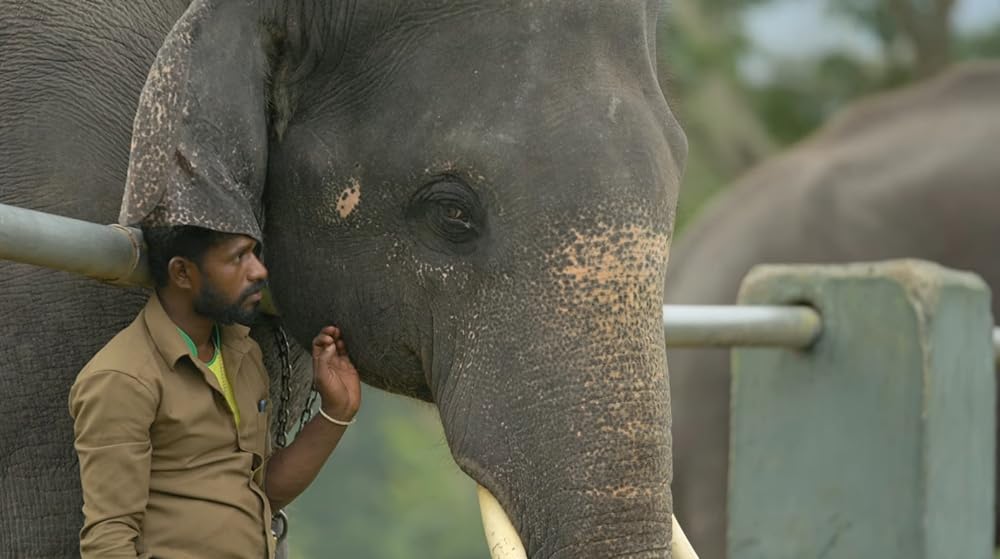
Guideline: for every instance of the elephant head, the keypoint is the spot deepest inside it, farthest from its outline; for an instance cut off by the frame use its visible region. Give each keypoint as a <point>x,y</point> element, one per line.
<point>481,194</point>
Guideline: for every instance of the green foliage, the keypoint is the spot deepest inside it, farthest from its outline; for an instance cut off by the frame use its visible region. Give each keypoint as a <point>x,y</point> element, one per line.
<point>983,44</point>
<point>870,15</point>
<point>390,491</point>
<point>733,123</point>
<point>700,44</point>
<point>805,94</point>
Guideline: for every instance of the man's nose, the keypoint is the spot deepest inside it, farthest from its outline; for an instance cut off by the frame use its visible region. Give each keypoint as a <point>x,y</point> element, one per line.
<point>258,271</point>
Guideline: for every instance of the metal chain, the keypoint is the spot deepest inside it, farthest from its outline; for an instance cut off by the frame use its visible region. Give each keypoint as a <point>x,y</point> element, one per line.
<point>307,412</point>
<point>279,522</point>
<point>284,401</point>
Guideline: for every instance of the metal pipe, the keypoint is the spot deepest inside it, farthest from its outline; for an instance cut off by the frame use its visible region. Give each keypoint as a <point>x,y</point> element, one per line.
<point>107,253</point>
<point>114,254</point>
<point>996,344</point>
<point>727,326</point>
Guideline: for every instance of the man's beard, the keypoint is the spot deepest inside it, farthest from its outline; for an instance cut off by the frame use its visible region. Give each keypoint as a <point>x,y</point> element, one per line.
<point>210,303</point>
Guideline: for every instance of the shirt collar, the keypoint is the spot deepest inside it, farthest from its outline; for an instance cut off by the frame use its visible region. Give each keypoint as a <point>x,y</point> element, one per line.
<point>168,340</point>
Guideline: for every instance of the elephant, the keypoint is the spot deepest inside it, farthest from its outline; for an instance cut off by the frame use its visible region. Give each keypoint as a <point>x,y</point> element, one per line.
<point>480,194</point>
<point>912,173</point>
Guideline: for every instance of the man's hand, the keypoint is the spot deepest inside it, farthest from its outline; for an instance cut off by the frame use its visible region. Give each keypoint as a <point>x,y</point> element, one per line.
<point>291,469</point>
<point>334,376</point>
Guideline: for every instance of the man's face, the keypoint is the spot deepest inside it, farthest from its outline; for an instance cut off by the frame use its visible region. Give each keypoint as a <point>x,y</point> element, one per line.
<point>232,278</point>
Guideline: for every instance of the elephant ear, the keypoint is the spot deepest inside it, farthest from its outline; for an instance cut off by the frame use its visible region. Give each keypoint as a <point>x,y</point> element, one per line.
<point>200,137</point>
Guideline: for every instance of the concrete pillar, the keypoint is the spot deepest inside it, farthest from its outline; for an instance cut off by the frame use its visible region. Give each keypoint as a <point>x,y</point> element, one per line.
<point>879,440</point>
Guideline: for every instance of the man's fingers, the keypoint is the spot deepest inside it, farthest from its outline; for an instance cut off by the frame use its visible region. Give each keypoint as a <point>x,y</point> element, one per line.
<point>321,346</point>
<point>328,335</point>
<point>322,354</point>
<point>323,340</point>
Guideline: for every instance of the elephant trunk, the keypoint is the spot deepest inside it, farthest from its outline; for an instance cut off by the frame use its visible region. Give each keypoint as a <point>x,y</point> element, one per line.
<point>572,436</point>
<point>504,542</point>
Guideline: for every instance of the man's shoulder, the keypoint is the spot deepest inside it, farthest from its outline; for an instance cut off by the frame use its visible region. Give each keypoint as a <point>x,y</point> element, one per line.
<point>130,351</point>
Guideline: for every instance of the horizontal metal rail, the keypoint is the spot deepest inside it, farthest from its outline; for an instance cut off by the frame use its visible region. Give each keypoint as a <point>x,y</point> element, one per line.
<point>795,327</point>
<point>731,325</point>
<point>996,344</point>
<point>105,252</point>
<point>114,254</point>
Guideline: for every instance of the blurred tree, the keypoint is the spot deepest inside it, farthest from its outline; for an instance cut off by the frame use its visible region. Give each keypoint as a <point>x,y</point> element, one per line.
<point>390,491</point>
<point>806,93</point>
<point>732,124</point>
<point>700,45</point>
<point>913,33</point>
<point>915,40</point>
<point>980,44</point>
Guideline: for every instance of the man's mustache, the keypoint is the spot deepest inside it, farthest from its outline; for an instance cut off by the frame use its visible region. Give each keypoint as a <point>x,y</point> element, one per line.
<point>255,288</point>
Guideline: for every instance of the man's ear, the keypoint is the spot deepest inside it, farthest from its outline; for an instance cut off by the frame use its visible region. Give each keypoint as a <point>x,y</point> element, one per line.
<point>179,272</point>
<point>200,137</point>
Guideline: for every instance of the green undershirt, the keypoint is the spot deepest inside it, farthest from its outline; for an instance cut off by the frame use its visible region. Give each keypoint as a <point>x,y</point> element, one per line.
<point>218,369</point>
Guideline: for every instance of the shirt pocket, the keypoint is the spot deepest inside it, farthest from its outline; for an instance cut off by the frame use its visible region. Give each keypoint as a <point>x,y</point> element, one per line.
<point>260,446</point>
<point>193,422</point>
<point>262,436</point>
<point>255,424</point>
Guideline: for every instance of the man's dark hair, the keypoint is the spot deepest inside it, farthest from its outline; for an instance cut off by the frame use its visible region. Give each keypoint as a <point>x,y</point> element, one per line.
<point>164,243</point>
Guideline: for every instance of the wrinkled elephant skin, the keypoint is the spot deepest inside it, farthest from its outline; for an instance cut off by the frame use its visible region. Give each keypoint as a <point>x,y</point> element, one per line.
<point>481,194</point>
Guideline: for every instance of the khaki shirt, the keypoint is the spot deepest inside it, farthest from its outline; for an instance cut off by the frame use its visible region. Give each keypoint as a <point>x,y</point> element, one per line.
<point>165,472</point>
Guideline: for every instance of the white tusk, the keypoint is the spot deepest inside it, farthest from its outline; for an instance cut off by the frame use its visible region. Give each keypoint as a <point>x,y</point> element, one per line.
<point>504,543</point>
<point>501,536</point>
<point>680,547</point>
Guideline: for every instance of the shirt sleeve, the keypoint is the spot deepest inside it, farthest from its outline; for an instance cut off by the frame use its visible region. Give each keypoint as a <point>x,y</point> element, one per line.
<point>112,414</point>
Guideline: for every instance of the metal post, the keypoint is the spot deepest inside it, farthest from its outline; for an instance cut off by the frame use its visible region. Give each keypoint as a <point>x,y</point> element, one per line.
<point>879,440</point>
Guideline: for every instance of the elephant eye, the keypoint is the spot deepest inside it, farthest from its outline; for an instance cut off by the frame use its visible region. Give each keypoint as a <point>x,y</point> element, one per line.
<point>446,215</point>
<point>455,217</point>
<point>451,221</point>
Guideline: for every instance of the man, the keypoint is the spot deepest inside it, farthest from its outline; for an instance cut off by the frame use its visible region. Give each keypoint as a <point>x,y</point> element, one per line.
<point>171,417</point>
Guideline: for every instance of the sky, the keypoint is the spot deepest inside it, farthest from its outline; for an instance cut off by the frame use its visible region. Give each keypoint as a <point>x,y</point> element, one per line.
<point>802,28</point>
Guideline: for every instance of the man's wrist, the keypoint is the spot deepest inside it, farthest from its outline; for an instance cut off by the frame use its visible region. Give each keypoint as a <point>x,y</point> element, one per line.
<point>338,414</point>
<point>333,420</point>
